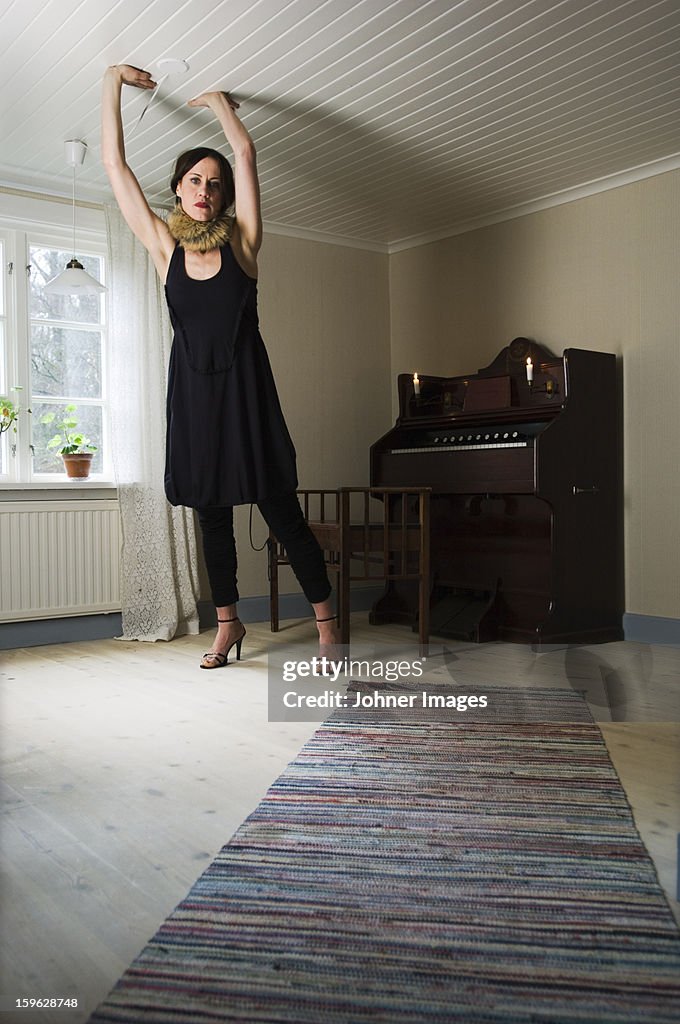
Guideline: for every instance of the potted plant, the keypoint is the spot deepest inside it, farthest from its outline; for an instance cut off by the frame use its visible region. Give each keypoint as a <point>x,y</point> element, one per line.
<point>75,449</point>
<point>9,413</point>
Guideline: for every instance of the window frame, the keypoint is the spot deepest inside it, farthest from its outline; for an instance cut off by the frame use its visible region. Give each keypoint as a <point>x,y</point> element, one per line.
<point>19,235</point>
<point>9,373</point>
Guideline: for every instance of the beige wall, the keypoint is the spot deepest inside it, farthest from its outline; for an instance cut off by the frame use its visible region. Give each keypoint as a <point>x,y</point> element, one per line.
<point>600,273</point>
<point>324,315</point>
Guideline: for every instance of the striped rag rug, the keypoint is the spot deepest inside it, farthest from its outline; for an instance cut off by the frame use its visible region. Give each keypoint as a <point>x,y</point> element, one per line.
<point>473,867</point>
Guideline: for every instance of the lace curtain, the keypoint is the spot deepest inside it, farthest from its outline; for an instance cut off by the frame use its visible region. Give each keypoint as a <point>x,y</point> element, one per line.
<point>159,576</point>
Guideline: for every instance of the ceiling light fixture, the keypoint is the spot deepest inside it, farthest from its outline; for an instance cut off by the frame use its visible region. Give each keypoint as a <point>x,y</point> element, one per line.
<point>172,66</point>
<point>74,280</point>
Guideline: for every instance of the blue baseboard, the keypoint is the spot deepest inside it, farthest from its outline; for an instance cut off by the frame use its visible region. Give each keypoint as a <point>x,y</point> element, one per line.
<point>651,629</point>
<point>291,606</point>
<point>646,629</point>
<point>36,632</point>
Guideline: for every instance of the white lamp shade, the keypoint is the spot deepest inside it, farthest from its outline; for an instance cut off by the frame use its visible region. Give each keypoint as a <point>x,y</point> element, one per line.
<point>74,281</point>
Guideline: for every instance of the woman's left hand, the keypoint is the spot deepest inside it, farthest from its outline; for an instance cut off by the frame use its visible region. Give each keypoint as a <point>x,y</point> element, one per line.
<point>208,99</point>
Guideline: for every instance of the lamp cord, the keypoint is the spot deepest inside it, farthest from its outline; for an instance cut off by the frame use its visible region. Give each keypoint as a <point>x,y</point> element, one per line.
<point>147,105</point>
<point>73,207</point>
<point>250,531</point>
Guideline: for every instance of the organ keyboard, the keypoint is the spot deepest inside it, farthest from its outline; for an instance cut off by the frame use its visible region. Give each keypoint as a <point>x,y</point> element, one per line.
<point>526,509</point>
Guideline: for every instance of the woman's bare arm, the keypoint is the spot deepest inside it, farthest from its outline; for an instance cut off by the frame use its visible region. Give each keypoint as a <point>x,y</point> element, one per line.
<point>142,221</point>
<point>248,235</point>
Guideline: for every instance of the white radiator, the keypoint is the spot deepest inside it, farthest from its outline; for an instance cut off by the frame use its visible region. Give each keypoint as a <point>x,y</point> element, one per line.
<point>59,558</point>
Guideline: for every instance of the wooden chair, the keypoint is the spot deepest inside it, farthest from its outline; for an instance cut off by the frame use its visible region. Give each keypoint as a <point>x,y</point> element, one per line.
<point>361,544</point>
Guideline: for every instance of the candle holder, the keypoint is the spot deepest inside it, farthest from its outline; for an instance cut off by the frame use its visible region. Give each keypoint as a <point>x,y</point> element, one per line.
<point>549,387</point>
<point>415,399</point>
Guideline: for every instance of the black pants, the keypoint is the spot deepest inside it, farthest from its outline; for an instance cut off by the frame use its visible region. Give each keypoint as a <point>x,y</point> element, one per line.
<point>284,517</point>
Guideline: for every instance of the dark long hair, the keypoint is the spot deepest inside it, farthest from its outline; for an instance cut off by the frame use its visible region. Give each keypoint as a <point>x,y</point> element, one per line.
<point>189,159</point>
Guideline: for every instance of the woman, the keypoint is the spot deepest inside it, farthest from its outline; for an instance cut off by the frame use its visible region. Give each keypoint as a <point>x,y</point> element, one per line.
<point>227,441</point>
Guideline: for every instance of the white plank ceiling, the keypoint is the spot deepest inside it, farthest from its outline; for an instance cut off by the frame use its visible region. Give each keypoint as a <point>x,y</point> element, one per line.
<point>380,122</point>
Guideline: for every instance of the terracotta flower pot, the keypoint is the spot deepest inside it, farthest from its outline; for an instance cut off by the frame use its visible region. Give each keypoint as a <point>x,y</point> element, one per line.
<point>78,465</point>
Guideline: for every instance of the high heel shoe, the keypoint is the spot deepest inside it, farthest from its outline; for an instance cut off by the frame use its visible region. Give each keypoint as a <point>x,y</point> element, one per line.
<point>219,658</point>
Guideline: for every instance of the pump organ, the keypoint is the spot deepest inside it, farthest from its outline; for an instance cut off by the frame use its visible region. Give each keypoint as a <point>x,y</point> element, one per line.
<point>526,508</point>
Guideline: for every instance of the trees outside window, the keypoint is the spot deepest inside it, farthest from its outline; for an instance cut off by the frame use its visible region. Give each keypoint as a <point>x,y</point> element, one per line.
<point>54,348</point>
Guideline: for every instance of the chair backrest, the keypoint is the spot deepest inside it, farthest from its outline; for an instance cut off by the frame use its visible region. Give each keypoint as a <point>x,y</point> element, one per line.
<point>385,529</point>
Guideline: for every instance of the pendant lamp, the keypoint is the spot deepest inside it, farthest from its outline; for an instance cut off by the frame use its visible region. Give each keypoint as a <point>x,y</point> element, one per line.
<point>74,280</point>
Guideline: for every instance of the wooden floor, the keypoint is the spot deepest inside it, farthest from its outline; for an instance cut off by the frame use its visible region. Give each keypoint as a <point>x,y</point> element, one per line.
<point>125,769</point>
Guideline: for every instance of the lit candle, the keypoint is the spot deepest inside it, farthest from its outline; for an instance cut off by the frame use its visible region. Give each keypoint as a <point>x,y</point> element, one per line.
<point>416,384</point>
<point>530,370</point>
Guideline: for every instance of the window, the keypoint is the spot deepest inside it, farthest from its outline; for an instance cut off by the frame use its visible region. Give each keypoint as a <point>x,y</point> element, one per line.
<point>54,348</point>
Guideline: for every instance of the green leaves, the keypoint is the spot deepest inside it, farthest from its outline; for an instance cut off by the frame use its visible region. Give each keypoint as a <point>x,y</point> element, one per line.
<point>9,411</point>
<point>68,440</point>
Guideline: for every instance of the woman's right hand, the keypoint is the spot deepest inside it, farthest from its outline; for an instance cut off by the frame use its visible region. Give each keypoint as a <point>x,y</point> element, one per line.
<point>130,75</point>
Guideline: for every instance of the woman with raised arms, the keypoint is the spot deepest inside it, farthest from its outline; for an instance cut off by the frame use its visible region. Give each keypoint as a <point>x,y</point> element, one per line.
<point>227,441</point>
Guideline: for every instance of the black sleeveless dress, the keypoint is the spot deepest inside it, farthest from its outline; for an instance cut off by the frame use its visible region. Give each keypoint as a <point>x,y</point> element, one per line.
<point>227,440</point>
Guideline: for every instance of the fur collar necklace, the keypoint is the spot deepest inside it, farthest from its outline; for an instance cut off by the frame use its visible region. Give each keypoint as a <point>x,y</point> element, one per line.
<point>196,235</point>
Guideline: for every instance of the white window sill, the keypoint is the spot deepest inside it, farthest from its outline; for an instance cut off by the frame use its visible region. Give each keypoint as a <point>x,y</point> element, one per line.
<point>56,489</point>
